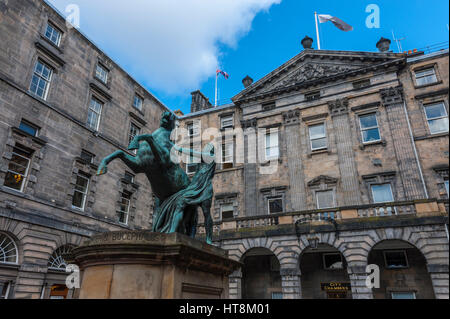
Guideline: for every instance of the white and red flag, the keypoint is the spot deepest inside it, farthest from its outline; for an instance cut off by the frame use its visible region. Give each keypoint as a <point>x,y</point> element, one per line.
<point>341,25</point>
<point>225,74</point>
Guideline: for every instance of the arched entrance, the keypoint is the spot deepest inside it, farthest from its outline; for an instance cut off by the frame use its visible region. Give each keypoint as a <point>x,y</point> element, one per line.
<point>403,271</point>
<point>324,274</point>
<point>261,275</point>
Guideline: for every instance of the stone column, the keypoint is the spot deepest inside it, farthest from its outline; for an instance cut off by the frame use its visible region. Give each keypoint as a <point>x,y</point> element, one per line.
<point>235,283</point>
<point>250,168</point>
<point>409,170</point>
<point>291,121</point>
<point>358,277</point>
<point>347,165</point>
<point>440,280</point>
<point>290,283</point>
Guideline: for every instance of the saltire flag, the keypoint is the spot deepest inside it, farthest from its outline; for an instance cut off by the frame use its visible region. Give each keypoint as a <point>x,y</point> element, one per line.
<point>225,74</point>
<point>341,25</point>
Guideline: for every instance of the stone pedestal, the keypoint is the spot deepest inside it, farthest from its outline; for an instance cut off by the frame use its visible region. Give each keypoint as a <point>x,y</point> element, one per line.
<point>147,265</point>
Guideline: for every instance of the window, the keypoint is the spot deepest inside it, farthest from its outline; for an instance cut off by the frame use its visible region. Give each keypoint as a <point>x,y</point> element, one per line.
<point>40,80</point>
<point>369,128</point>
<point>134,131</point>
<point>312,96</point>
<point>124,209</point>
<point>4,290</point>
<point>275,205</point>
<point>28,128</point>
<point>129,177</point>
<point>56,260</point>
<point>403,295</point>
<point>18,168</point>
<point>80,192</point>
<point>58,292</point>
<point>193,129</point>
<point>227,155</point>
<point>137,102</point>
<point>191,168</point>
<point>333,261</point>
<point>382,193</point>
<point>101,73</point>
<point>325,199</point>
<point>277,295</point>
<point>437,118</point>
<point>8,250</point>
<point>53,34</point>
<point>94,114</point>
<point>227,211</point>
<point>395,259</point>
<point>226,122</point>
<point>427,76</point>
<point>318,137</point>
<point>272,151</point>
<point>446,187</point>
<point>87,157</point>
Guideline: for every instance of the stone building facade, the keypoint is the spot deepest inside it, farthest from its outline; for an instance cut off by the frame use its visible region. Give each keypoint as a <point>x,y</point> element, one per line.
<point>334,161</point>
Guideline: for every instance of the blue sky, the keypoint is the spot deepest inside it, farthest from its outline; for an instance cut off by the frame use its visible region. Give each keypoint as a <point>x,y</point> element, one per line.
<point>173,47</point>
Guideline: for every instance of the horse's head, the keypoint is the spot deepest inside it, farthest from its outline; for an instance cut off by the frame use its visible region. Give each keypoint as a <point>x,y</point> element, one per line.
<point>168,120</point>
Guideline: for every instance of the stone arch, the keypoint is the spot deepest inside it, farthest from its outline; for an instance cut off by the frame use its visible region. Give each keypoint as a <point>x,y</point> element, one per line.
<point>9,248</point>
<point>249,243</point>
<point>14,229</point>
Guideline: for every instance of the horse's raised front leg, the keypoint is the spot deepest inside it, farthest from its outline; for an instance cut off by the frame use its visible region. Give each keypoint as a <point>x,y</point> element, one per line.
<point>134,144</point>
<point>130,161</point>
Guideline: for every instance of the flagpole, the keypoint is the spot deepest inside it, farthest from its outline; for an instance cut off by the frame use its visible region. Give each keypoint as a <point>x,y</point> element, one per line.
<point>317,31</point>
<point>215,95</point>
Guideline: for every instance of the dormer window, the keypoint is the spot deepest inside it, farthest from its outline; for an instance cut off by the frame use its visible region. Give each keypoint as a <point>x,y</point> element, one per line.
<point>101,73</point>
<point>53,34</point>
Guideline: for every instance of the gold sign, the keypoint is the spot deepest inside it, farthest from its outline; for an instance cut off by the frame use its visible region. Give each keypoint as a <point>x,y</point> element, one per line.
<point>336,286</point>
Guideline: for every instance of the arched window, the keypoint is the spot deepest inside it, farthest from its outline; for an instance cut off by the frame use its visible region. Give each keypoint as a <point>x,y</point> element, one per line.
<point>56,260</point>
<point>8,250</point>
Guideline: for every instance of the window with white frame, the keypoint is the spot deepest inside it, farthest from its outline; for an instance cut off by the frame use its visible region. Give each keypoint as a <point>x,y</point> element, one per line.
<point>138,102</point>
<point>318,137</point>
<point>8,250</point>
<point>124,208</point>
<point>18,168</point>
<point>426,76</point>
<point>382,193</point>
<point>227,211</point>
<point>437,117</point>
<point>101,73</point>
<point>129,177</point>
<point>275,205</point>
<point>193,129</point>
<point>40,81</point>
<point>271,145</point>
<point>226,122</point>
<point>94,113</point>
<point>53,34</point>
<point>395,259</point>
<point>403,295</point>
<point>369,128</point>
<point>56,260</point>
<point>227,154</point>
<point>134,131</point>
<point>80,191</point>
<point>325,199</point>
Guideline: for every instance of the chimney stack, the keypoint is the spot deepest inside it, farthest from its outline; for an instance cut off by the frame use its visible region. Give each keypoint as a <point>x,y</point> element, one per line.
<point>247,81</point>
<point>199,102</point>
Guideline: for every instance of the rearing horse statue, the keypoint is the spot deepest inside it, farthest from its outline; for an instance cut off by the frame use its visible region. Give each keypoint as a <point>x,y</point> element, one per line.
<point>167,179</point>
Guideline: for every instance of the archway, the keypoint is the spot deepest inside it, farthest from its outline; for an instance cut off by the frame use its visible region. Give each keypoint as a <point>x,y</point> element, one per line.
<point>261,275</point>
<point>403,271</point>
<point>324,274</point>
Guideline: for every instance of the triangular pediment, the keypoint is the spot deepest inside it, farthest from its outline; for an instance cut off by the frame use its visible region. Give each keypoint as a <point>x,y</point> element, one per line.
<point>312,67</point>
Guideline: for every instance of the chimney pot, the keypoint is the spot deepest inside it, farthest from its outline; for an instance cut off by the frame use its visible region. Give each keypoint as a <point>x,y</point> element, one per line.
<point>247,81</point>
<point>307,42</point>
<point>383,44</point>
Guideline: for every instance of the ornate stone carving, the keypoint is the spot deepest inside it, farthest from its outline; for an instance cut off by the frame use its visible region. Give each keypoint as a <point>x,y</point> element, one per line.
<point>392,95</point>
<point>338,107</point>
<point>322,179</point>
<point>249,123</point>
<point>311,71</point>
<point>291,117</point>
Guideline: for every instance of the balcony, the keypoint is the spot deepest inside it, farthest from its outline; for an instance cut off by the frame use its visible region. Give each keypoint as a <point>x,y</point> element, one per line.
<point>418,208</point>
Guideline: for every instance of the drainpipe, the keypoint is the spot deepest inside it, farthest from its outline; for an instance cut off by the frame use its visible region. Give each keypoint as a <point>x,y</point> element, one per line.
<point>415,149</point>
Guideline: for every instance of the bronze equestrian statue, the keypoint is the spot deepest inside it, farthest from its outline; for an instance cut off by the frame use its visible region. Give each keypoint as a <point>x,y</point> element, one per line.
<point>177,197</point>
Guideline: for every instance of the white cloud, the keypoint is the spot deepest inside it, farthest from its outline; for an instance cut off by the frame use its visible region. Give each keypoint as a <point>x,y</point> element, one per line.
<point>171,44</point>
